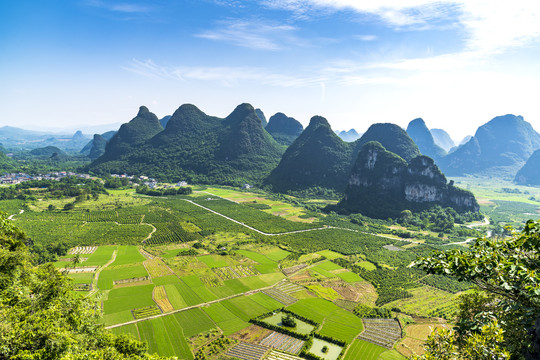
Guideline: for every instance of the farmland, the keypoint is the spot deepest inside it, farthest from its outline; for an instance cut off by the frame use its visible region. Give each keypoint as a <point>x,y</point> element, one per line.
<point>187,280</point>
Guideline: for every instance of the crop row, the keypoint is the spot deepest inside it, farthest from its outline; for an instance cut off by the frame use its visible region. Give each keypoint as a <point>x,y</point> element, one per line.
<point>82,250</point>
<point>171,233</point>
<point>211,281</point>
<point>160,297</point>
<point>276,355</point>
<point>246,351</point>
<point>156,267</point>
<point>283,342</point>
<point>280,296</point>
<point>382,332</point>
<point>145,312</point>
<point>235,272</point>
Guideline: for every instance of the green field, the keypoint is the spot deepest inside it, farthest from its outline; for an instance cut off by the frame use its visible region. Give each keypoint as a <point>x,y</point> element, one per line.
<point>363,350</point>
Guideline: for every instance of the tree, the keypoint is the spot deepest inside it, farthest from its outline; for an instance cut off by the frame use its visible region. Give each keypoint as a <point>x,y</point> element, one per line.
<point>40,316</point>
<point>505,315</point>
<point>288,320</point>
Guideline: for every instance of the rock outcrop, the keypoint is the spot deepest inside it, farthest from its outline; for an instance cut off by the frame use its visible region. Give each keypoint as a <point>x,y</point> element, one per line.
<point>381,184</point>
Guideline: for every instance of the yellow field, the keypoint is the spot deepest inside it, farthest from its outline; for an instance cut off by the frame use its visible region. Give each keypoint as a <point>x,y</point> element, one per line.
<point>156,267</point>
<point>161,299</point>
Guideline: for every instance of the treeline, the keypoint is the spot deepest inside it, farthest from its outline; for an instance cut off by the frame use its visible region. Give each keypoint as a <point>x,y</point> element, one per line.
<point>439,219</point>
<point>70,186</point>
<point>145,190</point>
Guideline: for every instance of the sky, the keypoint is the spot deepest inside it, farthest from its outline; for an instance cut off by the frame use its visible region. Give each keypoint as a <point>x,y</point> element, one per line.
<point>454,63</point>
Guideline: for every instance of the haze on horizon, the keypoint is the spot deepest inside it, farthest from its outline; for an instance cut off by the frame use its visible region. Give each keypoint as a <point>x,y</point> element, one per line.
<point>455,63</point>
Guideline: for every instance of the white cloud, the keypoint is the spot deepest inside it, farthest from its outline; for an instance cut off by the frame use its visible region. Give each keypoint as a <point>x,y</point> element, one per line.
<point>122,7</point>
<point>366,37</point>
<point>252,34</point>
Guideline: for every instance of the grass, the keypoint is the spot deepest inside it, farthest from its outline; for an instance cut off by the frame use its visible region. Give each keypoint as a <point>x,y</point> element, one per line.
<point>244,307</point>
<point>266,301</point>
<point>315,309</point>
<point>101,256</point>
<point>331,354</point>
<point>130,329</point>
<point>324,292</point>
<point>189,296</point>
<point>225,319</point>
<point>176,300</point>
<point>213,261</point>
<point>276,254</point>
<point>109,275</point>
<point>342,325</point>
<point>349,277</point>
<point>194,321</point>
<point>128,298</point>
<point>363,350</point>
<point>329,254</point>
<point>425,299</point>
<point>165,337</point>
<point>329,266</point>
<point>128,255</point>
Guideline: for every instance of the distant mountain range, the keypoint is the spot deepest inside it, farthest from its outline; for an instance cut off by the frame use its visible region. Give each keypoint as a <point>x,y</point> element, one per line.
<point>348,136</point>
<point>193,146</point>
<point>421,135</point>
<point>499,147</point>
<point>442,139</point>
<point>14,139</point>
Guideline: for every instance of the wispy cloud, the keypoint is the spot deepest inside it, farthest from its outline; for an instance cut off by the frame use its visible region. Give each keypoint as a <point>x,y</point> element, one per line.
<point>253,34</point>
<point>225,75</point>
<point>119,7</point>
<point>489,26</point>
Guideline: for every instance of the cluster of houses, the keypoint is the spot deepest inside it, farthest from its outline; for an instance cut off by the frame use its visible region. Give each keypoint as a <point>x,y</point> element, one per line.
<point>148,181</point>
<point>17,178</point>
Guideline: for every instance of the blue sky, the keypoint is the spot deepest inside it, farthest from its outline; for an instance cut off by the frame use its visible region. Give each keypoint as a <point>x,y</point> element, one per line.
<point>455,63</point>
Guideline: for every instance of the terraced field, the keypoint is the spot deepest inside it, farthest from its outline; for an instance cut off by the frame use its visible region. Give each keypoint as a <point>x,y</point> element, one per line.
<point>382,332</point>
<point>282,342</point>
<point>277,355</point>
<point>247,351</point>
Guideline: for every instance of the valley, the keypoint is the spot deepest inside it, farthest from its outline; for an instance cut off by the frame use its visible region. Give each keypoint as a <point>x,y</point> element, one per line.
<point>191,274</point>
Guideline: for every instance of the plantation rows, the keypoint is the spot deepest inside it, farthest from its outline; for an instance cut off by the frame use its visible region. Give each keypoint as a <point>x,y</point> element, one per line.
<point>145,312</point>
<point>131,280</point>
<point>246,351</point>
<point>288,287</point>
<point>157,268</point>
<point>113,216</point>
<point>282,342</point>
<point>235,272</point>
<point>253,217</point>
<point>446,283</point>
<point>171,233</point>
<point>82,250</point>
<point>276,355</point>
<point>280,296</point>
<point>446,311</point>
<point>161,299</point>
<point>211,281</point>
<point>382,332</point>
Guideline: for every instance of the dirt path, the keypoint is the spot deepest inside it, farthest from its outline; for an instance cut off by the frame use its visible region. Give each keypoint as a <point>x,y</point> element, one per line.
<point>95,280</point>
<point>10,217</point>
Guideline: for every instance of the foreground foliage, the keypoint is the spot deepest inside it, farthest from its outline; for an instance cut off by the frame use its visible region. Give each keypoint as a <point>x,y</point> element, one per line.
<point>504,322</point>
<point>40,317</point>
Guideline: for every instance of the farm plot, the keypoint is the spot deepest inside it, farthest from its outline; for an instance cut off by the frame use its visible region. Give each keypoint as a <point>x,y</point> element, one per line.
<point>424,301</point>
<point>145,312</point>
<point>128,255</point>
<point>276,355</point>
<point>160,297</point>
<point>332,350</point>
<point>247,351</point>
<point>280,296</point>
<point>282,342</point>
<point>315,309</point>
<point>171,232</point>
<point>194,321</point>
<point>342,325</point>
<point>224,318</point>
<point>382,332</point>
<point>291,270</point>
<point>235,272</point>
<point>156,267</point>
<point>80,250</point>
<point>363,350</point>
<point>100,256</point>
<point>165,337</point>
<point>131,273</point>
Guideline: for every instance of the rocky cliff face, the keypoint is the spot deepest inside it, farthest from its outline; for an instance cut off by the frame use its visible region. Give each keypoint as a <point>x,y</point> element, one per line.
<point>382,184</point>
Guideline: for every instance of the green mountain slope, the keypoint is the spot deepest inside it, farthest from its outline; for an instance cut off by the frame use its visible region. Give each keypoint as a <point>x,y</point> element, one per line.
<point>421,135</point>
<point>200,148</point>
<point>382,184</point>
<point>392,137</point>
<point>317,158</point>
<point>284,129</point>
